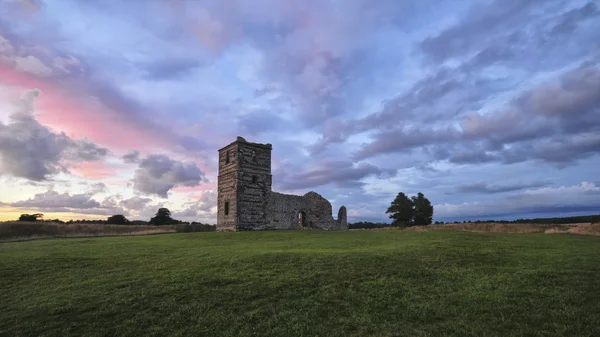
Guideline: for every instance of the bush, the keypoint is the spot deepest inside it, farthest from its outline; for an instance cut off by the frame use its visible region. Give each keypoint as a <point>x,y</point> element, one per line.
<point>117,220</point>
<point>30,217</point>
<point>196,227</point>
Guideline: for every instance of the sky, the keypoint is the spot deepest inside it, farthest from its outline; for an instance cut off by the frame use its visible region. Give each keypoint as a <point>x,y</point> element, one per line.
<point>490,108</point>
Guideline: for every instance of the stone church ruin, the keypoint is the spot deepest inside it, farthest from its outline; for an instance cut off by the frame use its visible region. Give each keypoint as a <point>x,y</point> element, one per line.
<point>246,202</point>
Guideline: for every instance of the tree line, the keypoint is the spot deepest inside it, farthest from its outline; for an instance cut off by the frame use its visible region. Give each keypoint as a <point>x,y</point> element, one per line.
<point>418,211</point>
<point>161,218</point>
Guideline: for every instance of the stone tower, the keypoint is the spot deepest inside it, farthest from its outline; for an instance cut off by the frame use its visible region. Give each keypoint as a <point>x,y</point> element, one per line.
<point>244,185</point>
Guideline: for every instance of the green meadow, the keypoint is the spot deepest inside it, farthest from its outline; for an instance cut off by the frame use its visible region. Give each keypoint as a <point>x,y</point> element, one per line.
<point>303,283</point>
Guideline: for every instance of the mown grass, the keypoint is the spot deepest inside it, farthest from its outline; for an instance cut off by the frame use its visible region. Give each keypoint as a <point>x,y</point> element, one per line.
<point>580,228</point>
<point>303,283</point>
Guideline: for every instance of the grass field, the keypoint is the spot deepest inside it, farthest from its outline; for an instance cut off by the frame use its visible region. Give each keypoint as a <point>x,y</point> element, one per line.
<point>19,230</point>
<point>303,283</point>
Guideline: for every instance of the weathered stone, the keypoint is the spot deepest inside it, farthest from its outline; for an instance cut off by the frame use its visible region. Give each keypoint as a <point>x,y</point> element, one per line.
<point>246,202</point>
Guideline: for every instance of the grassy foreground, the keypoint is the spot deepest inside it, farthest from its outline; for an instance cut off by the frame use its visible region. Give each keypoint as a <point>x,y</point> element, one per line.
<point>303,283</point>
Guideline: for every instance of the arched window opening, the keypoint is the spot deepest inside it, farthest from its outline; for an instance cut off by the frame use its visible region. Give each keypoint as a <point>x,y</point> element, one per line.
<point>227,160</point>
<point>226,208</point>
<point>301,219</point>
<point>254,179</point>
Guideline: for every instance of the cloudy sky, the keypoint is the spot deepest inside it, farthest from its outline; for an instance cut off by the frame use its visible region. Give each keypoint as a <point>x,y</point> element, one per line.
<point>490,108</point>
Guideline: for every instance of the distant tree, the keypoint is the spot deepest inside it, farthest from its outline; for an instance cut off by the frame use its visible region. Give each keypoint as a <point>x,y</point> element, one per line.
<point>31,217</point>
<point>368,225</point>
<point>401,210</point>
<point>163,217</point>
<point>163,212</point>
<point>117,219</point>
<point>423,213</point>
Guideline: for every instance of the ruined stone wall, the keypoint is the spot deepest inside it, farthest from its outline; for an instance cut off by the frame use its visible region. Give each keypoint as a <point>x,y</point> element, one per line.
<point>283,212</point>
<point>244,184</point>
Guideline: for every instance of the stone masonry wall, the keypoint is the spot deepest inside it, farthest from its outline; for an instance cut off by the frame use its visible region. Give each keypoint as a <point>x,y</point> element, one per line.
<point>244,183</point>
<point>283,212</point>
<point>227,188</point>
<point>254,185</point>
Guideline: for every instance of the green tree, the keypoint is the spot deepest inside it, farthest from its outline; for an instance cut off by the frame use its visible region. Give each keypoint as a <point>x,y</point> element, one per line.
<point>163,217</point>
<point>401,210</point>
<point>423,212</point>
<point>30,217</point>
<point>117,219</point>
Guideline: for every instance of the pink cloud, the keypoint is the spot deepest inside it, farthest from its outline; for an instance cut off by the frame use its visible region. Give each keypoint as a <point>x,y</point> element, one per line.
<point>95,170</point>
<point>82,117</point>
<point>199,188</point>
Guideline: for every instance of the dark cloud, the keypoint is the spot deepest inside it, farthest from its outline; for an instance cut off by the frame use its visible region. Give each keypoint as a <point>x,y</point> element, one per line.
<point>405,140</point>
<point>171,68</point>
<point>31,150</point>
<point>472,158</point>
<point>342,174</point>
<point>481,24</point>
<point>88,151</point>
<point>556,122</point>
<point>485,188</point>
<point>157,174</point>
<point>132,157</point>
<point>52,201</point>
<point>572,18</point>
<point>438,97</point>
<point>135,203</point>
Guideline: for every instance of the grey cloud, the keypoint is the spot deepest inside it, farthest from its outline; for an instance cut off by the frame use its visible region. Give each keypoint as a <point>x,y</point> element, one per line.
<point>577,93</point>
<point>171,68</point>
<point>132,157</point>
<point>263,121</point>
<point>562,150</point>
<point>52,201</point>
<point>485,188</point>
<point>480,24</point>
<point>438,97</point>
<point>555,122</point>
<point>88,151</point>
<point>571,19</point>
<point>405,140</point>
<point>342,174</point>
<point>186,213</point>
<point>471,157</point>
<point>203,207</point>
<point>157,174</point>
<point>448,92</point>
<point>135,203</point>
<point>98,188</point>
<point>563,200</point>
<point>33,151</point>
<point>522,32</point>
<point>36,60</point>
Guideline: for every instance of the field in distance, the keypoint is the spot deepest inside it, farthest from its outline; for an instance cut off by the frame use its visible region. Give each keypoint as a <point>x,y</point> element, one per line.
<point>303,283</point>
